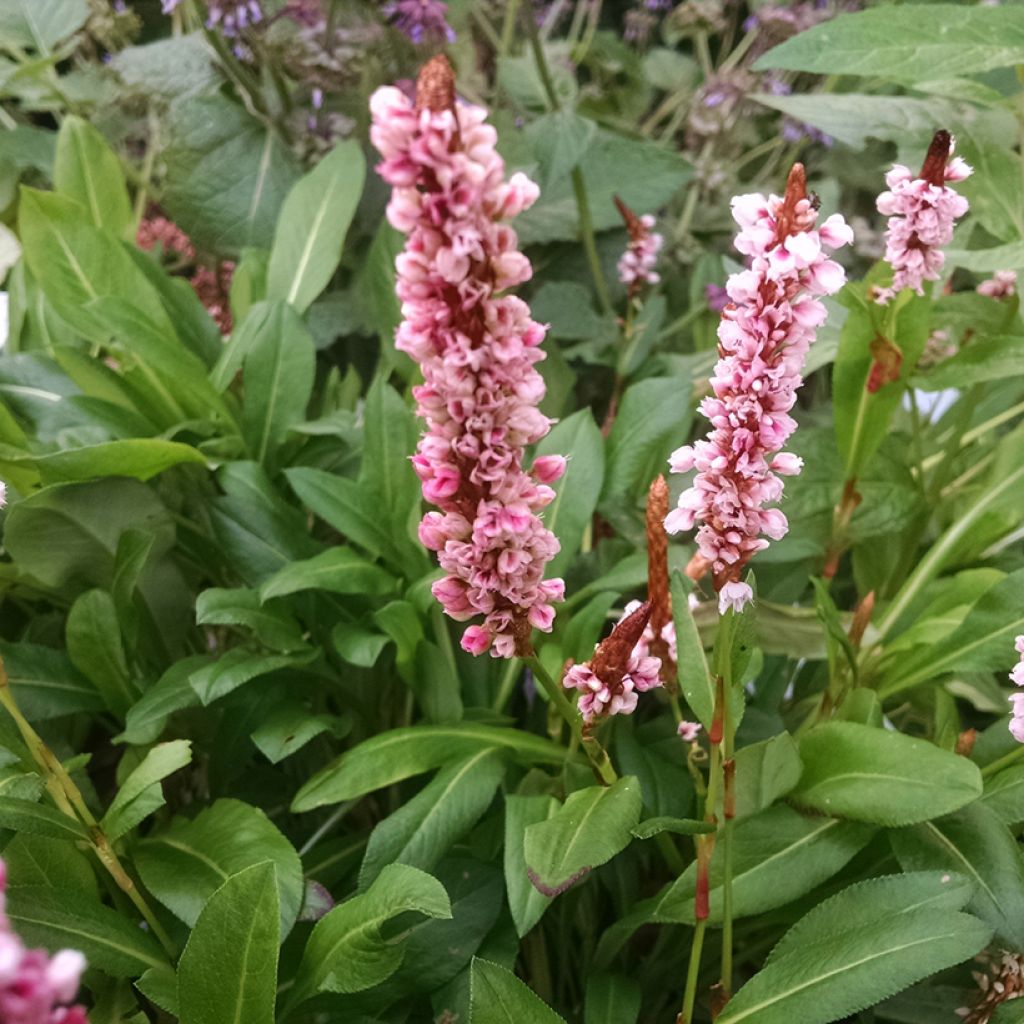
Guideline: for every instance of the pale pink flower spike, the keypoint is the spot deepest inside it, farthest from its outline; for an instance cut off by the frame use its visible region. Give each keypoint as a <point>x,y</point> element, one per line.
<point>766,330</point>
<point>922,212</point>
<point>1017,699</point>
<point>477,350</point>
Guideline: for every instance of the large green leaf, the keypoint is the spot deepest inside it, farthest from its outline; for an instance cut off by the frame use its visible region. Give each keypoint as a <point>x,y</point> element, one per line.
<point>228,971</point>
<point>778,856</point>
<point>612,999</point>
<point>525,902</point>
<point>141,793</point>
<point>881,776</point>
<point>402,753</point>
<point>184,864</point>
<point>40,24</point>
<point>64,918</point>
<point>904,43</point>
<point>894,932</point>
<point>95,646</point>
<point>984,359</point>
<point>88,170</point>
<point>270,622</point>
<point>347,951</point>
<point>137,457</point>
<point>45,682</point>
<point>312,225</point>
<point>499,997</point>
<point>976,844</point>
<point>339,570</point>
<point>765,772</point>
<point>227,174</point>
<point>39,820</point>
<point>591,827</point>
<point>423,829</point>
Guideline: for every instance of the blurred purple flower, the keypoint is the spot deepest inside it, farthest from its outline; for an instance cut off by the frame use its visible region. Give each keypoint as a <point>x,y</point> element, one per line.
<point>421,20</point>
<point>717,297</point>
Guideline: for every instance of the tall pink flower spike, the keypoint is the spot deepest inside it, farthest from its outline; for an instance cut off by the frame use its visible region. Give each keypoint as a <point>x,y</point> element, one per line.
<point>1017,699</point>
<point>922,212</point>
<point>477,349</point>
<point>35,987</point>
<point>765,332</point>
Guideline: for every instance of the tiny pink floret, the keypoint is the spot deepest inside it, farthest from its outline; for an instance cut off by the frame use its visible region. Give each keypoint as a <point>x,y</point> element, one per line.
<point>477,350</point>
<point>1017,699</point>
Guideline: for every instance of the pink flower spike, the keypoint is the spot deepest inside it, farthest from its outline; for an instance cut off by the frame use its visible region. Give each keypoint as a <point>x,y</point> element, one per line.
<point>1017,699</point>
<point>477,350</point>
<point>922,212</point>
<point>636,265</point>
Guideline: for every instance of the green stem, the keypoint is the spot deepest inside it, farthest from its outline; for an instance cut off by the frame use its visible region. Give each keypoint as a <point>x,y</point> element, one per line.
<point>508,27</point>
<point>598,756</point>
<point>690,995</point>
<point>1003,762</point>
<point>727,628</point>
<point>579,186</point>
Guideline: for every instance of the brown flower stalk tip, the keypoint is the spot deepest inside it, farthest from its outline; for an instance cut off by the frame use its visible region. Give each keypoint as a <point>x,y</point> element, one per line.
<point>796,190</point>
<point>933,170</point>
<point>657,578</point>
<point>435,86</point>
<point>634,225</point>
<point>612,654</point>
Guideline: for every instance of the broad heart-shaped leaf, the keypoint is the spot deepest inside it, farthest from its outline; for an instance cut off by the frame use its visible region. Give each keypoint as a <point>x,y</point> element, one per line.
<point>141,794</point>
<point>66,918</point>
<point>591,827</point>
<point>88,170</point>
<point>312,225</point>
<point>497,996</point>
<point>228,175</point>
<point>976,844</point>
<point>347,951</point>
<point>402,753</point>
<point>40,24</point>
<point>339,570</point>
<point>881,776</point>
<point>524,901</point>
<point>900,43</point>
<point>277,375</point>
<point>778,855</point>
<point>422,830</point>
<point>184,864</point>
<point>39,820</point>
<point>578,438</point>
<point>978,644</point>
<point>644,175</point>
<point>228,970</point>
<point>862,945</point>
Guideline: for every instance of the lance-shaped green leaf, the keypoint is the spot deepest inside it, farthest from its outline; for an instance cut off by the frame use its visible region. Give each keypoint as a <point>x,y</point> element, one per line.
<point>228,970</point>
<point>895,931</point>
<point>677,826</point>
<point>612,999</point>
<point>88,170</point>
<point>95,646</point>
<point>765,772</point>
<point>142,793</point>
<point>881,776</point>
<point>591,827</point>
<point>694,676</point>
<point>338,570</point>
<point>39,820</point>
<point>272,624</point>
<point>497,996</point>
<point>312,225</point>
<point>348,951</point>
<point>778,855</point>
<point>524,901</point>
<point>402,753</point>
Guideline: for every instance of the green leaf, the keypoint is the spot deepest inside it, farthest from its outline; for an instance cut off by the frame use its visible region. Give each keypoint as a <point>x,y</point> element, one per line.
<point>423,829</point>
<point>765,772</point>
<point>694,676</point>
<point>173,68</point>
<point>312,225</point>
<point>612,999</point>
<point>644,175</point>
<point>402,753</point>
<point>567,517</point>
<point>45,682</point>
<point>988,261</point>
<point>978,644</point>
<point>984,359</point>
<point>881,776</point>
<point>288,728</point>
<point>52,863</point>
<point>63,919</point>
<point>87,169</point>
<point>183,865</point>
<point>525,902</point>
<point>171,692</point>
<point>895,931</point>
<point>1004,795</point>
<point>338,570</point>
<point>277,375</point>
<point>778,856</point>
<point>95,647</point>
<point>271,624</point>
<point>347,951</point>
<point>677,826</point>
<point>227,175</point>
<point>900,43</point>
<point>141,794</point>
<point>39,820</point>
<point>976,844</point>
<point>222,981</point>
<point>40,24</point>
<point>497,996</point>
<point>160,986</point>
<point>653,419</point>
<point>591,827</point>
<point>138,457</point>
<point>559,140</point>
<point>216,679</point>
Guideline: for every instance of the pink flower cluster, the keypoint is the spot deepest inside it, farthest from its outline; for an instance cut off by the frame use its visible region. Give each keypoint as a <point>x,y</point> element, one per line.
<point>602,697</point>
<point>34,986</point>
<point>477,351</point>
<point>1017,699</point>
<point>922,211</point>
<point>1002,285</point>
<point>636,265</point>
<point>765,332</point>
